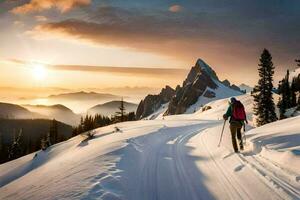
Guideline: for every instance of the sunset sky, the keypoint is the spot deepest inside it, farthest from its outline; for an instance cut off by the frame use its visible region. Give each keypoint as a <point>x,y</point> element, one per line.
<point>77,44</point>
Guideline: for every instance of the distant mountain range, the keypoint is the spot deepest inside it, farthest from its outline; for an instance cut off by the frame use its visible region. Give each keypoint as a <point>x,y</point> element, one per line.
<point>245,87</point>
<point>80,102</point>
<point>111,108</point>
<point>84,96</point>
<point>61,112</point>
<point>13,111</point>
<point>58,112</point>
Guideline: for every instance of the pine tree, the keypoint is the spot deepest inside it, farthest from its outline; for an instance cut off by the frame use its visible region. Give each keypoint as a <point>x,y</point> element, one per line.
<point>131,116</point>
<point>282,103</point>
<point>287,90</point>
<point>3,154</point>
<point>294,92</point>
<point>53,132</point>
<point>121,113</point>
<point>29,148</point>
<point>288,94</point>
<point>1,144</point>
<point>264,107</point>
<point>15,150</point>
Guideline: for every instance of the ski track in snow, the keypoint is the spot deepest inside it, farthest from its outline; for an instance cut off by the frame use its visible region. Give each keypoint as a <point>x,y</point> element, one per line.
<point>172,159</point>
<point>164,169</point>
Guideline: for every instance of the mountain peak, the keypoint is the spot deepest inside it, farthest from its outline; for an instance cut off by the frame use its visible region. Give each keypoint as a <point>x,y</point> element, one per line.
<point>205,67</point>
<point>200,69</point>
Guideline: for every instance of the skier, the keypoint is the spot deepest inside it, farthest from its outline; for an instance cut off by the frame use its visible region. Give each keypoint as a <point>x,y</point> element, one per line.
<point>237,114</point>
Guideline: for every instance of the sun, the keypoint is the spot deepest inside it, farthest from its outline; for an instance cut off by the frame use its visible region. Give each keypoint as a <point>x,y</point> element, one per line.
<point>39,72</point>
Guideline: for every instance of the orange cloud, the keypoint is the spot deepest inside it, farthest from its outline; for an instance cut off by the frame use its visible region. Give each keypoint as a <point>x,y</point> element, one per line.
<point>40,5</point>
<point>120,35</point>
<point>41,18</point>
<point>175,8</point>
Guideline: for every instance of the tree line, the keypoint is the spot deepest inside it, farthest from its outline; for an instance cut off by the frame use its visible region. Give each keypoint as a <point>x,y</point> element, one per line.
<point>90,122</point>
<point>289,91</point>
<point>21,145</point>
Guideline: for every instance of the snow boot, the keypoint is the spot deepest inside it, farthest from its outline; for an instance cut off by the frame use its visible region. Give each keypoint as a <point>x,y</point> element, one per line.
<point>241,147</point>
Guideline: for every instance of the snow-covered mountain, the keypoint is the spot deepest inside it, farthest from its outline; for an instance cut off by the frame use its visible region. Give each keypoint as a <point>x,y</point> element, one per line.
<point>173,158</point>
<point>201,86</point>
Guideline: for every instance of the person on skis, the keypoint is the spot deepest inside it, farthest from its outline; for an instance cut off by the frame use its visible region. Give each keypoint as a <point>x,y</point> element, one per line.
<point>236,113</point>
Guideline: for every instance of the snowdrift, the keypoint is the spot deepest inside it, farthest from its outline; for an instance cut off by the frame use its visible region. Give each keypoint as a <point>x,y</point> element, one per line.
<point>279,142</point>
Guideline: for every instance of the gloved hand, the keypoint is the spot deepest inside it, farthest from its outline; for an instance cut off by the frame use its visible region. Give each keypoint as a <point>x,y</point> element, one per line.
<point>225,117</point>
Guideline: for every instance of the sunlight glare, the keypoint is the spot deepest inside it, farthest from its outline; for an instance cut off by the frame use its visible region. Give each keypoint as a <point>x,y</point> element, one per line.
<point>39,72</point>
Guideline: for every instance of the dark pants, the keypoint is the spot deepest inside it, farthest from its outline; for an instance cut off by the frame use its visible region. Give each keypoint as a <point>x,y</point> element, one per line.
<point>235,129</point>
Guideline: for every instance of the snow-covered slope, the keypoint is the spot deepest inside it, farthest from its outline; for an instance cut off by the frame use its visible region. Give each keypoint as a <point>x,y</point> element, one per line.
<point>279,142</point>
<point>174,158</point>
<point>159,114</point>
<point>221,92</point>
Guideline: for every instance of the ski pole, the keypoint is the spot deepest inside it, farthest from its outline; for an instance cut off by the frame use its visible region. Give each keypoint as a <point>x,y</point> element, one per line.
<point>222,133</point>
<point>244,133</point>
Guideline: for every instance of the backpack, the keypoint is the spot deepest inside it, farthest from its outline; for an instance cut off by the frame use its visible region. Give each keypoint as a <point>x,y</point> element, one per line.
<point>238,111</point>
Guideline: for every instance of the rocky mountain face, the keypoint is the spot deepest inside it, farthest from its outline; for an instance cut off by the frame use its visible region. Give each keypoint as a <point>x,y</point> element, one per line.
<point>200,77</point>
<point>153,102</point>
<point>233,86</point>
<point>201,81</point>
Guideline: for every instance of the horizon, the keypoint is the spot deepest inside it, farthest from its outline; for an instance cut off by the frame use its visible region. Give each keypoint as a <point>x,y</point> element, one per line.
<point>112,44</point>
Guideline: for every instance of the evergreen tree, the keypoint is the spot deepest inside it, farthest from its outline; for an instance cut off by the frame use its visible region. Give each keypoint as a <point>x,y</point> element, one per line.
<point>44,145</point>
<point>53,132</point>
<point>282,107</point>
<point>15,150</point>
<point>294,92</point>
<point>131,116</point>
<point>287,95</point>
<point>3,152</point>
<point>121,113</point>
<point>1,145</point>
<point>88,123</point>
<point>287,90</point>
<point>264,107</point>
<point>29,148</point>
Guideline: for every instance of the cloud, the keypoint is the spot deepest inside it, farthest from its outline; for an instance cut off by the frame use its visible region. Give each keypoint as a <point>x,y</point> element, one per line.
<point>175,8</point>
<point>234,31</point>
<point>41,5</point>
<point>40,18</point>
<point>19,23</point>
<point>107,69</point>
<point>118,27</point>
